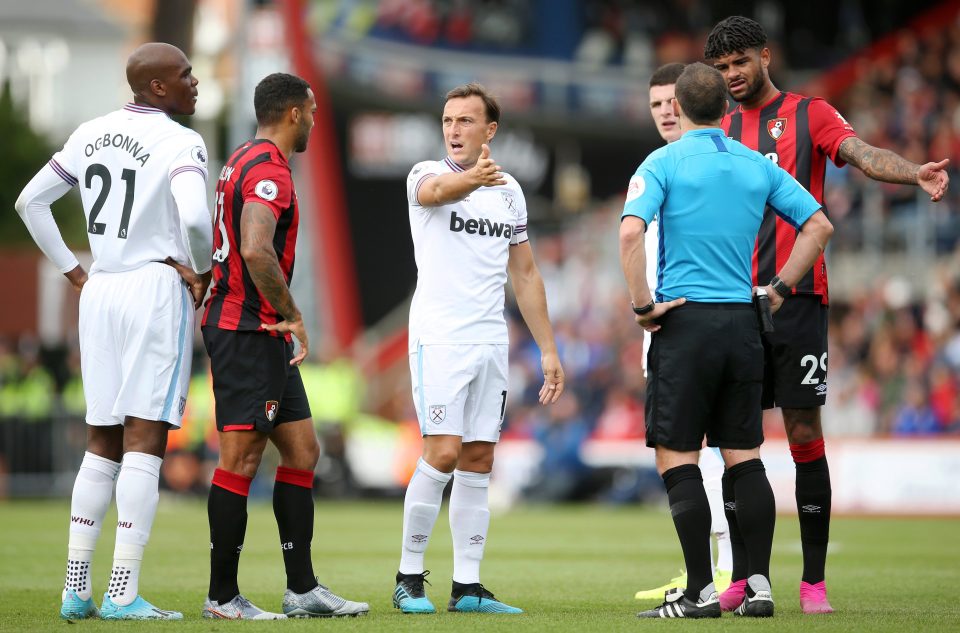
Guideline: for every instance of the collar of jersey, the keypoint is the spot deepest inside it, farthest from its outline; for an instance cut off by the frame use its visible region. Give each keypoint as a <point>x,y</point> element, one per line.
<point>705,131</point>
<point>142,109</point>
<point>453,165</point>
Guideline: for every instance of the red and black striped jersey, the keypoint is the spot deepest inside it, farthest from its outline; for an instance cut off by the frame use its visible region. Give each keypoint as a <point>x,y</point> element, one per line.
<point>799,134</point>
<point>256,172</point>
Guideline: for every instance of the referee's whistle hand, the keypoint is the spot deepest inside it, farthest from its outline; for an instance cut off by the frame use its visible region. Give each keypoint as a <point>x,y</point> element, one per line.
<point>649,321</point>
<point>776,301</point>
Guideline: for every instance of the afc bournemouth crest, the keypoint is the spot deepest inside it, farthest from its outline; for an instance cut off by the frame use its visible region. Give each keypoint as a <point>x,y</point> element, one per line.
<point>438,413</point>
<point>776,128</point>
<point>271,408</point>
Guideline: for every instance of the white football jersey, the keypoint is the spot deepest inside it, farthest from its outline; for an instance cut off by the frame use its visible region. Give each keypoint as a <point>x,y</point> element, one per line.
<point>461,250</point>
<point>123,163</point>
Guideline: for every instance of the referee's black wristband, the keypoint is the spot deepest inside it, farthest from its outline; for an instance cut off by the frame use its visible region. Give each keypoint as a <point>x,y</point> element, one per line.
<point>781,287</point>
<point>647,309</point>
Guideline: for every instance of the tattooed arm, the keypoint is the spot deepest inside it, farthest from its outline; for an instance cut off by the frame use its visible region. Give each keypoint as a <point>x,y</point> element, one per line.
<point>888,166</point>
<point>257,227</point>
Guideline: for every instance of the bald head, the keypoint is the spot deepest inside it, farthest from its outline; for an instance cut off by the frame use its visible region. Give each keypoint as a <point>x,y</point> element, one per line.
<point>160,75</point>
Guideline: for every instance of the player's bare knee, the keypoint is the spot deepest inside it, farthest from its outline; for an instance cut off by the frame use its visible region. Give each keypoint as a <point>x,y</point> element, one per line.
<point>106,442</point>
<point>802,425</point>
<point>443,457</point>
<point>300,456</point>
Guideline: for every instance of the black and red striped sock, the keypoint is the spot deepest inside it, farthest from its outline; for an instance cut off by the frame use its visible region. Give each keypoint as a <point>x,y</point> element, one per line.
<point>814,495</point>
<point>293,507</point>
<point>227,513</point>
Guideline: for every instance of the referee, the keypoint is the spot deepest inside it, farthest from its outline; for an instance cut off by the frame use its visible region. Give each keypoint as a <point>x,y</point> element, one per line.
<point>706,358</point>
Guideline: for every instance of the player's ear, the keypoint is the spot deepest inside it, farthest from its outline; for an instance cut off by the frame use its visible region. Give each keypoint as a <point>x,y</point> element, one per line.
<point>676,107</point>
<point>491,130</point>
<point>157,88</point>
<point>765,56</point>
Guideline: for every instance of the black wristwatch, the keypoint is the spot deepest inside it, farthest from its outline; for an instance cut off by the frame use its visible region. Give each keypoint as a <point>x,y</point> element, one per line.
<point>781,287</point>
<point>647,309</point>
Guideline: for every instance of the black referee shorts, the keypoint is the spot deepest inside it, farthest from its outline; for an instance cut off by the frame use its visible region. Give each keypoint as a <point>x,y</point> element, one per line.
<point>705,378</point>
<point>254,385</point>
<point>795,353</point>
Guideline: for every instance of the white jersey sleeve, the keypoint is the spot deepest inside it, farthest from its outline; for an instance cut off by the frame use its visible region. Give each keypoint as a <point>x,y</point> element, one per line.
<point>518,204</point>
<point>33,205</point>
<point>421,173</point>
<point>188,179</point>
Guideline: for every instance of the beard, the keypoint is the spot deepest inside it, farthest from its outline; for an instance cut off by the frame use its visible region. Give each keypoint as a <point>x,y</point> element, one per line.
<point>753,89</point>
<point>300,143</point>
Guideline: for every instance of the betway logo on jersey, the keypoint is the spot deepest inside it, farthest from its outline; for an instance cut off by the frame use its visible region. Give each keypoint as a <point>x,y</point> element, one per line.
<point>483,226</point>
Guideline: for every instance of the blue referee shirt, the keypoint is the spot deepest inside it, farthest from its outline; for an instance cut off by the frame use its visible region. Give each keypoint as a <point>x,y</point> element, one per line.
<point>710,192</point>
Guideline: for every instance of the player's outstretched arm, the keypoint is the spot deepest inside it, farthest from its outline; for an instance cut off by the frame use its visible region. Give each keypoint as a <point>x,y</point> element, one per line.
<point>532,301</point>
<point>447,188</point>
<point>887,166</point>
<point>33,206</point>
<point>257,228</point>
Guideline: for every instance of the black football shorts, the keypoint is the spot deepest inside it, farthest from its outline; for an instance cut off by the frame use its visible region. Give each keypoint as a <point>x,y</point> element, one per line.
<point>795,355</point>
<point>254,385</point>
<point>705,377</point>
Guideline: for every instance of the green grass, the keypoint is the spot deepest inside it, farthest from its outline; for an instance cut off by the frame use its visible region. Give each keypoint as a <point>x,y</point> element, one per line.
<point>570,567</point>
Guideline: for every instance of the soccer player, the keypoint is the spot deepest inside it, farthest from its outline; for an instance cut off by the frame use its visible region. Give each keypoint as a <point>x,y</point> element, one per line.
<point>662,89</point>
<point>142,180</point>
<point>799,134</point>
<point>706,362</point>
<point>247,330</point>
<point>468,220</point>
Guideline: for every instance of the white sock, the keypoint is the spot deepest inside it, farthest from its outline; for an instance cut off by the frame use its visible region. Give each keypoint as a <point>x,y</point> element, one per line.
<point>92,491</point>
<point>421,505</point>
<point>711,466</point>
<point>469,523</point>
<point>137,496</point>
<point>724,553</point>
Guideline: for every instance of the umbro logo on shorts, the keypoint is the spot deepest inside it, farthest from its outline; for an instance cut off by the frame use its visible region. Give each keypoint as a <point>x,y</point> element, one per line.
<point>730,505</point>
<point>438,413</point>
<point>271,409</point>
<point>811,509</point>
<point>822,389</point>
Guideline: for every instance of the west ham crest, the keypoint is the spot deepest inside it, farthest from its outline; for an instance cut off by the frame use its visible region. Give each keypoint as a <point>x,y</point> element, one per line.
<point>776,128</point>
<point>438,413</point>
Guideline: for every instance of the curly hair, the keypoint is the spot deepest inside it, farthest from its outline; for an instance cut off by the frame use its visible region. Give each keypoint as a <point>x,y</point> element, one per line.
<point>666,75</point>
<point>734,35</point>
<point>277,93</point>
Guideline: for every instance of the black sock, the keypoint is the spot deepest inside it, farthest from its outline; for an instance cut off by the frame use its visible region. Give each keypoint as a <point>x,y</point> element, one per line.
<point>691,517</point>
<point>736,539</point>
<point>227,514</point>
<point>813,506</point>
<point>756,514</point>
<point>293,507</point>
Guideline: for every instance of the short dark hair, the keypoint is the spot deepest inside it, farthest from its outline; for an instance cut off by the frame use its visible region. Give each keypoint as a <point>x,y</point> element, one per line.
<point>474,89</point>
<point>666,75</point>
<point>702,93</point>
<point>277,93</point>
<point>735,34</point>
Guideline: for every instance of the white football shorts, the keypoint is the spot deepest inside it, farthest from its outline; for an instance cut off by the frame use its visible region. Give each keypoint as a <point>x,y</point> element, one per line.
<point>136,340</point>
<point>460,390</point>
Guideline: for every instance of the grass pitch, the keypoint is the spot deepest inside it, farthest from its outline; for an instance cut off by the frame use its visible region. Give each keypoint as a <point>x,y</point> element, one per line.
<point>572,568</point>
